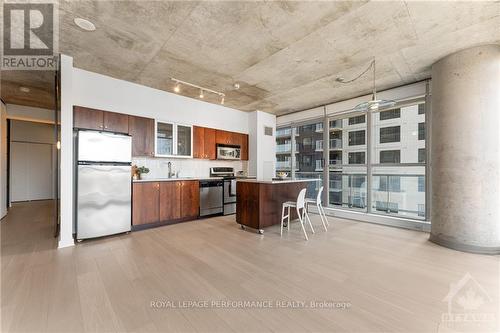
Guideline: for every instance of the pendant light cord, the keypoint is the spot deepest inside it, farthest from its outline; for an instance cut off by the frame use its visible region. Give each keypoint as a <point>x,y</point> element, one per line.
<point>372,63</point>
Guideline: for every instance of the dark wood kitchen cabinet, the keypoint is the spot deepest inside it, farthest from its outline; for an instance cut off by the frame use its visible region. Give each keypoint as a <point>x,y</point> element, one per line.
<point>87,118</point>
<point>165,202</point>
<point>190,198</point>
<point>244,146</point>
<point>204,143</point>
<point>198,142</point>
<point>142,131</point>
<point>145,203</point>
<point>115,122</point>
<point>226,137</point>
<point>170,200</point>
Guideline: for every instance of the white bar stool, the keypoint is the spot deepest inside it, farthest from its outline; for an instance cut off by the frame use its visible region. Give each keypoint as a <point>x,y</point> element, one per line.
<point>319,205</point>
<point>300,204</point>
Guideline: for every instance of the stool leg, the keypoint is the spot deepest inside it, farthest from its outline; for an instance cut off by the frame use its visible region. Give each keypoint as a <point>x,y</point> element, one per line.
<point>321,216</point>
<point>288,223</point>
<point>308,220</point>
<point>282,218</point>
<point>301,219</point>
<point>324,214</point>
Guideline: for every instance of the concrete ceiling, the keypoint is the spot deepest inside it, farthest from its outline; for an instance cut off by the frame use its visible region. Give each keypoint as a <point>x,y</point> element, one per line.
<point>284,55</point>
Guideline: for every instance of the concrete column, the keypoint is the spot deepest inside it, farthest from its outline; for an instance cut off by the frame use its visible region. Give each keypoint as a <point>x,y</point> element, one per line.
<point>465,150</point>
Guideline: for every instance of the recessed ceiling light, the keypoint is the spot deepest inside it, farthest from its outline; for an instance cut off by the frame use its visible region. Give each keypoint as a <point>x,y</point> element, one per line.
<point>24,89</point>
<point>84,24</point>
<point>236,86</point>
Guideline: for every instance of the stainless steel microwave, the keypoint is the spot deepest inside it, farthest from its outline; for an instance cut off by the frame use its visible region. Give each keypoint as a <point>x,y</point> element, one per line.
<point>225,152</point>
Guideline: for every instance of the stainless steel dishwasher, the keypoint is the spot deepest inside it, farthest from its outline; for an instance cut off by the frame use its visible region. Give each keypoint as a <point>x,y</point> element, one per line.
<point>211,196</point>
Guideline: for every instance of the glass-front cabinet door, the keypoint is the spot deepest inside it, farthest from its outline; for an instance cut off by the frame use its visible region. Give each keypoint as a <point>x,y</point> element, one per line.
<point>164,139</point>
<point>184,139</point>
<point>173,140</point>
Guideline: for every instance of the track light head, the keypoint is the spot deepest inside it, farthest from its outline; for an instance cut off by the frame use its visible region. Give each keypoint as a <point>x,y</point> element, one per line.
<point>177,87</point>
<point>222,100</point>
<point>201,93</point>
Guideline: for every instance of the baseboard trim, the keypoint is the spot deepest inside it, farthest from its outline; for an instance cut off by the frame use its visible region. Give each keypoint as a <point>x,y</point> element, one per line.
<point>490,250</point>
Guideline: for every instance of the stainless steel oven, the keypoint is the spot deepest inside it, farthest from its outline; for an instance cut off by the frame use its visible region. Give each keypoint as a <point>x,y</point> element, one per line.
<point>225,152</point>
<point>229,191</point>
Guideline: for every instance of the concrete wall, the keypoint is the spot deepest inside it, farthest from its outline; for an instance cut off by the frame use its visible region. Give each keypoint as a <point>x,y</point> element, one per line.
<point>465,152</point>
<point>3,160</point>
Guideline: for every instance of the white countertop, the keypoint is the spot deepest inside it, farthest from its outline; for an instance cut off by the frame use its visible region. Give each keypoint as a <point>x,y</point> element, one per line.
<point>287,181</point>
<point>175,179</point>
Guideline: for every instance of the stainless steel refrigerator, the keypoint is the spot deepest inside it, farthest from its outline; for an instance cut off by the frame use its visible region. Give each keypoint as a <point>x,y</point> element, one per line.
<point>104,187</point>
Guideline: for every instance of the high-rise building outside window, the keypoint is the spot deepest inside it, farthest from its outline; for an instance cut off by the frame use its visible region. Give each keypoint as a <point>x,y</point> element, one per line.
<point>390,114</point>
<point>390,134</point>
<point>357,138</point>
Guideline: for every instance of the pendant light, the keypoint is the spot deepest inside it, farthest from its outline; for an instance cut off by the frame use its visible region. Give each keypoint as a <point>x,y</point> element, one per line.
<point>374,104</point>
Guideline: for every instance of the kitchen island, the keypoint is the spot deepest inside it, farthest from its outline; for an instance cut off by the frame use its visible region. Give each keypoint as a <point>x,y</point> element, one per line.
<point>258,202</point>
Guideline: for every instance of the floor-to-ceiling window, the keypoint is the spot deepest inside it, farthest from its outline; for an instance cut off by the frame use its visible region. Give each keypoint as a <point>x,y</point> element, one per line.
<point>375,165</point>
<point>398,162</point>
<point>347,162</point>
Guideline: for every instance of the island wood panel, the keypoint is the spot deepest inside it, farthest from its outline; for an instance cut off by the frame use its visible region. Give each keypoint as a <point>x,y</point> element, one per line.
<point>115,122</point>
<point>247,204</point>
<point>258,205</point>
<point>145,203</point>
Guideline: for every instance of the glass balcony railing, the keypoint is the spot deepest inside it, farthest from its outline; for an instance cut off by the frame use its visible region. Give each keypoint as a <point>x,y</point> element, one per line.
<point>281,132</point>
<point>283,165</point>
<point>335,143</point>
<point>284,148</point>
<point>336,124</point>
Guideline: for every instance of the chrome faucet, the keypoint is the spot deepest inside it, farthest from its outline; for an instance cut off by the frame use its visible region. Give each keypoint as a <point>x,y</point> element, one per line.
<point>169,165</point>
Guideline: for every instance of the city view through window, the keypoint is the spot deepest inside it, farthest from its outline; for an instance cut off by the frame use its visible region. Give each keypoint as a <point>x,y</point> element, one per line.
<point>396,167</point>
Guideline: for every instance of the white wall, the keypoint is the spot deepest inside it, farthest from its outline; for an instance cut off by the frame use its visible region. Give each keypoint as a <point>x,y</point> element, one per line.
<point>29,113</point>
<point>262,147</point>
<point>66,154</point>
<point>103,92</point>
<point>3,160</point>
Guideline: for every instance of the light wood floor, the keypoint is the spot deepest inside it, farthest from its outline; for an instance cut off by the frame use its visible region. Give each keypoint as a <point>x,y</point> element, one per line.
<point>394,279</point>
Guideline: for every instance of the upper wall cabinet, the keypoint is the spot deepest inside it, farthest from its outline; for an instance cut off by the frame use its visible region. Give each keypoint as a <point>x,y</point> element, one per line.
<point>204,143</point>
<point>173,140</point>
<point>142,131</point>
<point>86,118</point>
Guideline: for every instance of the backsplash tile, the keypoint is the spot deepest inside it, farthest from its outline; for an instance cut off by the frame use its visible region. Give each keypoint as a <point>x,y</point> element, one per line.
<point>186,167</point>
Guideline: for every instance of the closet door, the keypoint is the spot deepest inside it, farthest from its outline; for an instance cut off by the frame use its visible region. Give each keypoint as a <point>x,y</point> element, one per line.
<point>31,171</point>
